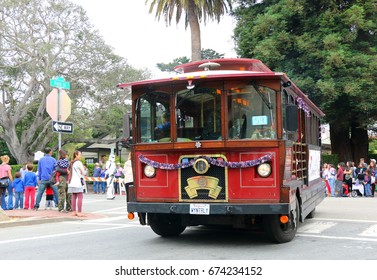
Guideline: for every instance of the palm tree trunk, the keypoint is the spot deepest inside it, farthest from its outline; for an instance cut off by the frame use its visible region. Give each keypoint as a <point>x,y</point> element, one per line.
<point>196,44</point>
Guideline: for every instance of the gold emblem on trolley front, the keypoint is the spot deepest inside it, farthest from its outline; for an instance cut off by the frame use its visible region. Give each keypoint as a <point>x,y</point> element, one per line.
<point>201,166</point>
<point>203,183</point>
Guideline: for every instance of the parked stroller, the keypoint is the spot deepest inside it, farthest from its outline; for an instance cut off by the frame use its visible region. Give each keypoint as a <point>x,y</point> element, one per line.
<point>358,183</point>
<point>357,189</point>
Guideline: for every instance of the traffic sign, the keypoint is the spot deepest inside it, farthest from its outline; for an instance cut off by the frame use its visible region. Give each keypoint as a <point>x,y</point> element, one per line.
<point>52,106</point>
<point>63,127</point>
<point>59,82</point>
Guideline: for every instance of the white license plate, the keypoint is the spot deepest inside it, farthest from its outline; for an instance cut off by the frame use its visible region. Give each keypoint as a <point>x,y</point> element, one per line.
<point>199,209</point>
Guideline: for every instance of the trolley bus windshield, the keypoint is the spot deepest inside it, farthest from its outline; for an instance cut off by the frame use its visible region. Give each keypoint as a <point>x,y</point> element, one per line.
<point>197,112</point>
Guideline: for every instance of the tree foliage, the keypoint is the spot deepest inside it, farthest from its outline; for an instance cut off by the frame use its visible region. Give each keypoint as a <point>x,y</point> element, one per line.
<point>194,11</point>
<point>205,54</point>
<point>329,49</point>
<point>169,67</point>
<point>41,39</point>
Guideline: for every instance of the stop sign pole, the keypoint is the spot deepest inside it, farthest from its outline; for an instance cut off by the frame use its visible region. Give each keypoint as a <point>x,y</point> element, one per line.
<point>60,84</point>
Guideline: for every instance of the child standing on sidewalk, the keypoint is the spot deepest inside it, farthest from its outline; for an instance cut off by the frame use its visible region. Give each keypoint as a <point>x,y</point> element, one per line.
<point>49,198</point>
<point>18,187</point>
<point>62,164</point>
<point>30,183</point>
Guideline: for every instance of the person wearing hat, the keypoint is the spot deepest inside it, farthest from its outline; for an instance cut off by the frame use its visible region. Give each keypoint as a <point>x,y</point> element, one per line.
<point>118,174</point>
<point>96,175</point>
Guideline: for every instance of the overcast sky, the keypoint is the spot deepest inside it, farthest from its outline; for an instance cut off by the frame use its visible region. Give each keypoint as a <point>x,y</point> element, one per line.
<point>137,36</point>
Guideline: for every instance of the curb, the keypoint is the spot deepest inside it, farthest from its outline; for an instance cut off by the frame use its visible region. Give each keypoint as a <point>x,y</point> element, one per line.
<point>14,221</point>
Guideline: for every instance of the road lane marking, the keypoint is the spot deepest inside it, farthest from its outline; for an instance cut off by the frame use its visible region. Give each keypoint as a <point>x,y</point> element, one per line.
<point>64,234</point>
<point>107,219</point>
<point>316,227</point>
<point>337,237</point>
<point>111,210</point>
<point>344,220</point>
<point>103,224</point>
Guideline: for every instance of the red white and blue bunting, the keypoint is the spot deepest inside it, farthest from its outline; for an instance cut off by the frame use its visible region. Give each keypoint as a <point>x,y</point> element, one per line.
<point>303,106</point>
<point>218,162</point>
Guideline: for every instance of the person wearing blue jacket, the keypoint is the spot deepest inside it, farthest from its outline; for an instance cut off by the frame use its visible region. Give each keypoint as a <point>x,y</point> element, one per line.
<point>96,174</point>
<point>30,184</point>
<point>18,188</point>
<point>45,167</point>
<point>103,176</point>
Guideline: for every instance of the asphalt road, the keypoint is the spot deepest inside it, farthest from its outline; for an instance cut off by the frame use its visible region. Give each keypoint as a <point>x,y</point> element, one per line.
<point>343,229</point>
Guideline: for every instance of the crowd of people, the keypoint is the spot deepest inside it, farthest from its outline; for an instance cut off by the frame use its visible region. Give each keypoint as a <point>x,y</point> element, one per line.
<point>100,172</point>
<point>61,181</point>
<point>349,178</point>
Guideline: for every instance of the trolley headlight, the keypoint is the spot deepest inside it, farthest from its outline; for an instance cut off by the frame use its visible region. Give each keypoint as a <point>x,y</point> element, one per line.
<point>149,171</point>
<point>264,170</point>
<point>201,166</point>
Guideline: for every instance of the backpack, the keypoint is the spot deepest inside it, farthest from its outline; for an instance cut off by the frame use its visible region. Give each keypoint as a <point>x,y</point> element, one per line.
<point>333,171</point>
<point>53,177</point>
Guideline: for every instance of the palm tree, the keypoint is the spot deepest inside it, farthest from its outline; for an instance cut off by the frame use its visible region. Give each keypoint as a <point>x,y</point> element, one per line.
<point>195,11</point>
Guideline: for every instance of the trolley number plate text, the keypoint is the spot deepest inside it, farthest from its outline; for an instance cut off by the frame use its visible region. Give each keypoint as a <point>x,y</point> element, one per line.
<point>199,209</point>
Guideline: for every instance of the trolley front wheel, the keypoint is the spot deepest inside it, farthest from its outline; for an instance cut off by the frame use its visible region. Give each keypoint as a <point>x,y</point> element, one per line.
<point>280,232</point>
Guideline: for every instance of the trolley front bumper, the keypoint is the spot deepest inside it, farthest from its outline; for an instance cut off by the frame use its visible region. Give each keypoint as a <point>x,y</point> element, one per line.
<point>214,208</point>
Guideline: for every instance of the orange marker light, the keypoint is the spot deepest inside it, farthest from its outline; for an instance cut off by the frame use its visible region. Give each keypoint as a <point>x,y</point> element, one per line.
<point>284,219</point>
<point>131,216</point>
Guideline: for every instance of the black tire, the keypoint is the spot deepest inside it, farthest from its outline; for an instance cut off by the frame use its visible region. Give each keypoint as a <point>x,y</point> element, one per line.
<point>166,225</point>
<point>278,232</point>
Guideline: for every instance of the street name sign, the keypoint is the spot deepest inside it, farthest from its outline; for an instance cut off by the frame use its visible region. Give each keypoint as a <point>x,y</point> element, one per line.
<point>64,127</point>
<point>59,82</point>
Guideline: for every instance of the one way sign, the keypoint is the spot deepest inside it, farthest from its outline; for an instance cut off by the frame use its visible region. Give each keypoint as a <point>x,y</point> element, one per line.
<point>64,127</point>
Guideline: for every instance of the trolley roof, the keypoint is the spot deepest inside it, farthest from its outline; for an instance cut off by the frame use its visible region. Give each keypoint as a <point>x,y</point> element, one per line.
<point>222,68</point>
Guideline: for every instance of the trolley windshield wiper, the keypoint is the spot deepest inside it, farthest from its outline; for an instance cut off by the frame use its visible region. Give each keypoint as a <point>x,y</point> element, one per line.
<point>265,100</point>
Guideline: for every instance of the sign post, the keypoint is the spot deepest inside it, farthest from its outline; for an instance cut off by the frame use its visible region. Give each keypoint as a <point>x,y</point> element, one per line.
<point>60,84</point>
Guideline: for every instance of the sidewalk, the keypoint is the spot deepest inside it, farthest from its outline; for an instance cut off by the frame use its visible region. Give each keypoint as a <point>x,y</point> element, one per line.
<point>11,218</point>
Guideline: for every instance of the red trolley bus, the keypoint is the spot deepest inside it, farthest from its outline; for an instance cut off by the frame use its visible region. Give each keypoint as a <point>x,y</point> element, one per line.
<point>224,142</point>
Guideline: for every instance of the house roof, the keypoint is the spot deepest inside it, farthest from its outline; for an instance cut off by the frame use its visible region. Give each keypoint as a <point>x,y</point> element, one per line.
<point>100,146</point>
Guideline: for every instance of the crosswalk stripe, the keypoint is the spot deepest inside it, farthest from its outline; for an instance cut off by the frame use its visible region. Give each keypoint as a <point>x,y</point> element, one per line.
<point>316,227</point>
<point>370,231</point>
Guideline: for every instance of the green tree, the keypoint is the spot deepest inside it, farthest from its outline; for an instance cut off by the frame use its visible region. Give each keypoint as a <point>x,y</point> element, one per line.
<point>205,54</point>
<point>195,11</point>
<point>329,49</point>
<point>41,39</point>
<point>169,67</point>
<point>211,54</point>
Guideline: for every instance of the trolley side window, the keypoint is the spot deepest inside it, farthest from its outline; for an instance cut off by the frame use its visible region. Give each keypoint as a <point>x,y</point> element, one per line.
<point>154,117</point>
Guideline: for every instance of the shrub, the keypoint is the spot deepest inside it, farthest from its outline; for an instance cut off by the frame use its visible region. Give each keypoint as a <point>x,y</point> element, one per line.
<point>333,159</point>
